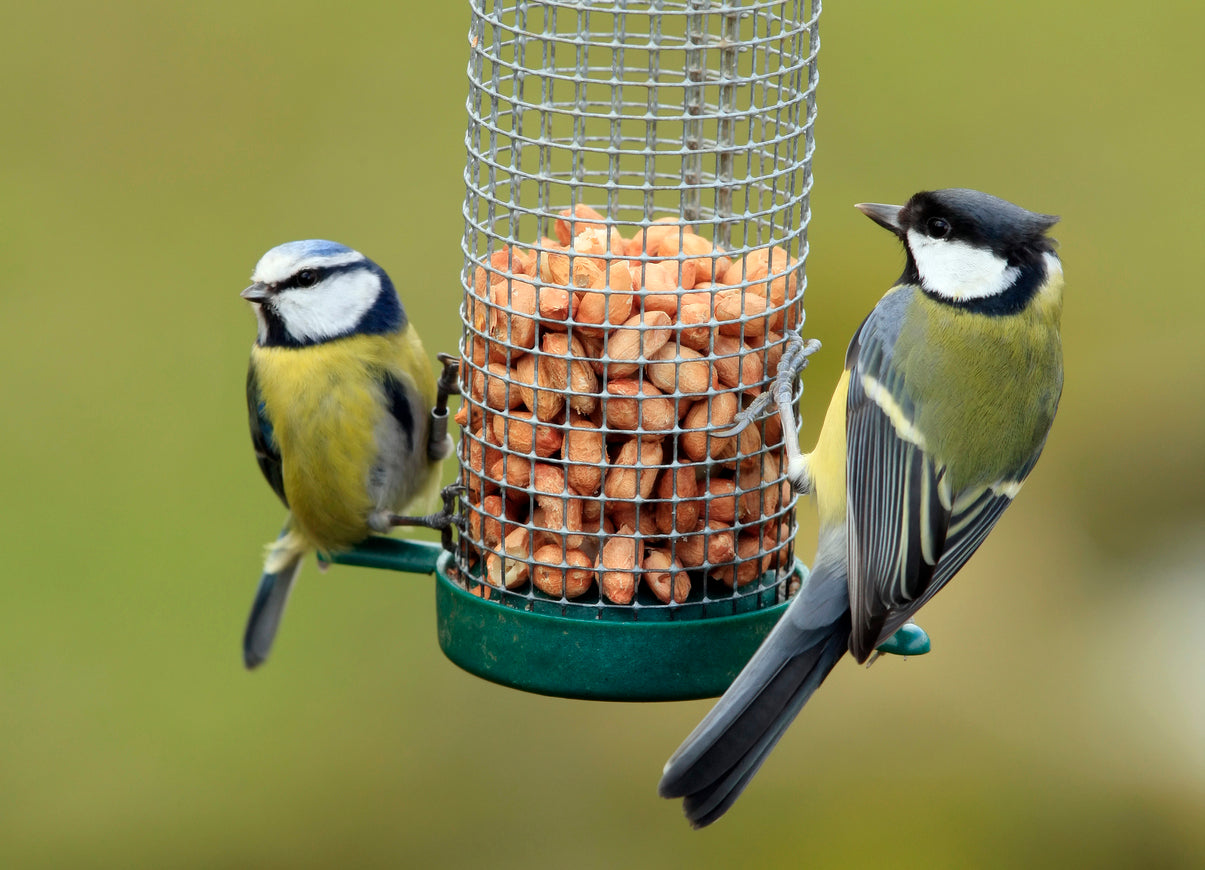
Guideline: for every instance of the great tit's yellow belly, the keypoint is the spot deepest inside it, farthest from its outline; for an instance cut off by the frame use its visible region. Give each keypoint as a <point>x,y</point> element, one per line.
<point>826,464</point>
<point>326,403</point>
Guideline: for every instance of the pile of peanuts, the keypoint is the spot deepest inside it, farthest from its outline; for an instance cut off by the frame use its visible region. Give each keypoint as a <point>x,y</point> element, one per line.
<point>594,388</point>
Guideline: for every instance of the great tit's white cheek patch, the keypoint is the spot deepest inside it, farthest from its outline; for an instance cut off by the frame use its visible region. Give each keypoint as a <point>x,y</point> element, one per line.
<point>958,270</point>
<point>331,308</point>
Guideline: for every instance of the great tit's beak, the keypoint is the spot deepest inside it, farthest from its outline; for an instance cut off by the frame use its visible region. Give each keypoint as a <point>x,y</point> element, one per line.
<point>257,292</point>
<point>886,216</point>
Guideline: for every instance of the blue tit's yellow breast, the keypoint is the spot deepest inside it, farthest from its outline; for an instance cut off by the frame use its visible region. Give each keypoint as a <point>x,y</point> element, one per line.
<point>325,402</point>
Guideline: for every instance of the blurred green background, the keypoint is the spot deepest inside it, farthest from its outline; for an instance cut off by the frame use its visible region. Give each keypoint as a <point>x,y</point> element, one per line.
<point>151,152</point>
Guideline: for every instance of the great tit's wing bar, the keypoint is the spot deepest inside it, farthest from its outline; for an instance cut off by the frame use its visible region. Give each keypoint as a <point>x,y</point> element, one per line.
<point>897,522</point>
<point>267,454</point>
<point>975,513</point>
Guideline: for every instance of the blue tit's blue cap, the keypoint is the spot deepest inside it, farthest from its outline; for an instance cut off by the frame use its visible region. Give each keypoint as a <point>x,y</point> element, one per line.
<point>311,248</point>
<point>283,260</point>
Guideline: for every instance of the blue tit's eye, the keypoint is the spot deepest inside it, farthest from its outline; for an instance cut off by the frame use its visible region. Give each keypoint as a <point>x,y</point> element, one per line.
<point>307,278</point>
<point>938,228</point>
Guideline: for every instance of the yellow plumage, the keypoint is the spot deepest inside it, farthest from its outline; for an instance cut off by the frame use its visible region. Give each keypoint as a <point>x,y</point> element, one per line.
<point>326,403</point>
<point>826,463</point>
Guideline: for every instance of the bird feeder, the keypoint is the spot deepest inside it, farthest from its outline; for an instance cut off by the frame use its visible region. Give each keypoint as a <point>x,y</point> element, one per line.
<point>636,215</point>
<point>638,180</point>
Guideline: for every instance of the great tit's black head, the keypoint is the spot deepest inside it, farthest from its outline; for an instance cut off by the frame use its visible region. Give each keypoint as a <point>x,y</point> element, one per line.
<point>965,245</point>
<point>312,291</point>
<point>977,219</point>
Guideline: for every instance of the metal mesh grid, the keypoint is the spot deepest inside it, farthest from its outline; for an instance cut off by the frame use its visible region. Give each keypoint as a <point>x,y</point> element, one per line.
<point>635,230</point>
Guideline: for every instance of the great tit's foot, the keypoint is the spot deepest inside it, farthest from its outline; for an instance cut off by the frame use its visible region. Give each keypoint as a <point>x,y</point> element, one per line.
<point>746,416</point>
<point>794,361</point>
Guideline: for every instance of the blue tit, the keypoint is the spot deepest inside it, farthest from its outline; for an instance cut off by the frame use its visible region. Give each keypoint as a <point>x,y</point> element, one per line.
<point>949,390</point>
<point>340,396</point>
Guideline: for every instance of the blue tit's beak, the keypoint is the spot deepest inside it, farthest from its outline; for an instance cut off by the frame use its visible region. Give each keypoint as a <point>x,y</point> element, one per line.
<point>886,216</point>
<point>257,292</point>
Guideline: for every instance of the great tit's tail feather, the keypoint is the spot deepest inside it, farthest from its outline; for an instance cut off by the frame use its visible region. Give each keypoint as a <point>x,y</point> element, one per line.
<point>280,570</point>
<point>715,763</point>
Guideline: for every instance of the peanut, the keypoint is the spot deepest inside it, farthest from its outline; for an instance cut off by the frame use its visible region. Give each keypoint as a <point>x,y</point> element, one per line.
<point>619,557</point>
<point>634,404</point>
<point>665,577</point>
<point>679,369</point>
<point>640,337</point>
<point>634,470</point>
<point>573,579</point>
<point>566,444</point>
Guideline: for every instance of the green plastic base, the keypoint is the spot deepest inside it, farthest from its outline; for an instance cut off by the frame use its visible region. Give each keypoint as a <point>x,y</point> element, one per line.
<point>631,654</point>
<point>595,659</point>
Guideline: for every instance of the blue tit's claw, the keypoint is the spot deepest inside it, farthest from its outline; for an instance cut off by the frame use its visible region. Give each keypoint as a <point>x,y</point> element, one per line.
<point>444,521</point>
<point>439,445</point>
<point>438,522</point>
<point>449,378</point>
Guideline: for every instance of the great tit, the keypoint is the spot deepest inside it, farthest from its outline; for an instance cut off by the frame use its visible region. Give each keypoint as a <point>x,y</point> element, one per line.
<point>949,390</point>
<point>340,395</point>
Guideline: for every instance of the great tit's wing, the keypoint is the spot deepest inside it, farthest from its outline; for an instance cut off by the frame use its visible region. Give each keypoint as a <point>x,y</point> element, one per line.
<point>267,454</point>
<point>908,533</point>
<point>897,516</point>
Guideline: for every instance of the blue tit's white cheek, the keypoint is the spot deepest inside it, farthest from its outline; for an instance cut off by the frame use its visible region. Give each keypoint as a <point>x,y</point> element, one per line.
<point>332,308</point>
<point>261,321</point>
<point>958,270</point>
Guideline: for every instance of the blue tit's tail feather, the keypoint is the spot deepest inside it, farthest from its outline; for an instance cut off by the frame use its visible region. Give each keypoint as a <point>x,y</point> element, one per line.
<point>280,570</point>
<point>716,762</point>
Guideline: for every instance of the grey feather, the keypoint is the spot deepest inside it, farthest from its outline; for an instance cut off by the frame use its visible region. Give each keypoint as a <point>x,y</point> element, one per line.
<point>268,608</point>
<point>717,760</point>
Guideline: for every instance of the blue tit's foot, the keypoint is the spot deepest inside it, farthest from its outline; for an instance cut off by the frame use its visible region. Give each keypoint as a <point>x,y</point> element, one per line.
<point>449,378</point>
<point>439,445</point>
<point>444,521</point>
<point>909,640</point>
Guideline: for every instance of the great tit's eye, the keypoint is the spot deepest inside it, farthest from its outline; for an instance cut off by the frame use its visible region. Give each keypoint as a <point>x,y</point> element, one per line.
<point>938,228</point>
<point>307,278</point>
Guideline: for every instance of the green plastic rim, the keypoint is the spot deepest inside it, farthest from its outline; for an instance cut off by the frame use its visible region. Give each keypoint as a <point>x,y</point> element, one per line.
<point>596,659</point>
<point>624,654</point>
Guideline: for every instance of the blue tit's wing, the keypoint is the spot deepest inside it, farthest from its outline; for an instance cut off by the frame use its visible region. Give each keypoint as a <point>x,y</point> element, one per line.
<point>897,516</point>
<point>400,406</point>
<point>267,454</point>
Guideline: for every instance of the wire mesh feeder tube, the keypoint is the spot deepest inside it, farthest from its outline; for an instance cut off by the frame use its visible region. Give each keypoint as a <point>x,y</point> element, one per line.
<point>635,234</point>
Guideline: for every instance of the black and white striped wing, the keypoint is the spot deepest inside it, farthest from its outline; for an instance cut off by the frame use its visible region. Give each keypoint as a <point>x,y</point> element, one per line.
<point>897,517</point>
<point>908,532</point>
